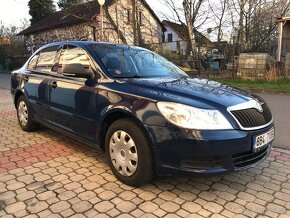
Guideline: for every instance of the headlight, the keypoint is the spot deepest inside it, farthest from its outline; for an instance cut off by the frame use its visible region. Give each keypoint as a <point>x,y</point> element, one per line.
<point>193,118</point>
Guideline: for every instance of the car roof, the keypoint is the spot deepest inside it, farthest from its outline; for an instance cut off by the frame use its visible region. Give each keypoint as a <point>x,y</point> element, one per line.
<point>86,43</point>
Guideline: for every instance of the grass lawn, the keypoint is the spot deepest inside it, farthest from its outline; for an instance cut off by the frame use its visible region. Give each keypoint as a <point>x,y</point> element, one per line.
<point>282,84</point>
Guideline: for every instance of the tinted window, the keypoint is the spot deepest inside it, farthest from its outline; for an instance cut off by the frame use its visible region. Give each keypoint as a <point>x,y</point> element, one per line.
<point>130,61</point>
<point>32,63</point>
<point>73,55</point>
<point>46,59</point>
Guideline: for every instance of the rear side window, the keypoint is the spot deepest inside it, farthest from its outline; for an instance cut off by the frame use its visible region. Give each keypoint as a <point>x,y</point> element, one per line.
<point>32,63</point>
<point>73,55</point>
<point>46,59</point>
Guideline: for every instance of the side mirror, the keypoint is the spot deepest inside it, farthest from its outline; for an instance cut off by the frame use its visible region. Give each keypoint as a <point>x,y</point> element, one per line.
<point>76,70</point>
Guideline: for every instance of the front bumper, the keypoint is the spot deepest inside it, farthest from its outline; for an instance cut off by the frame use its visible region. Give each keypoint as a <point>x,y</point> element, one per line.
<point>180,151</point>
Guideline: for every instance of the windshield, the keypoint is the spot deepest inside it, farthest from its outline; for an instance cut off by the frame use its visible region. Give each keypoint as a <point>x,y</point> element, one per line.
<point>125,61</point>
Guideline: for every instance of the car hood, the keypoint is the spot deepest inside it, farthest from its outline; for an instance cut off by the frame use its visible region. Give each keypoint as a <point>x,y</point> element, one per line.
<point>197,92</point>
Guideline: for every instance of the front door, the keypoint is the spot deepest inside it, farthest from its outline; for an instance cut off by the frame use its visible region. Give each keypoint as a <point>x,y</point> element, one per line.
<point>72,100</point>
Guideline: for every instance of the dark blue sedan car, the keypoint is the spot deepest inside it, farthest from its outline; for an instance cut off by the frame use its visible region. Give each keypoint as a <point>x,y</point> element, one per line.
<point>148,116</point>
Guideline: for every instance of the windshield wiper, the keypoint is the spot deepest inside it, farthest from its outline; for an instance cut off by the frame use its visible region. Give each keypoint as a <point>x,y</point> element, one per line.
<point>126,76</point>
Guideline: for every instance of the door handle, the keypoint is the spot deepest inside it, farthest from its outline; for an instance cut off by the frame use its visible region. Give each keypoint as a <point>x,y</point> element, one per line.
<point>53,85</point>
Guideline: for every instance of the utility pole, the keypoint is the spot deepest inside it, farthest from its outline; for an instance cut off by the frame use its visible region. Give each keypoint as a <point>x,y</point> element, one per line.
<point>134,20</point>
<point>102,2</point>
<point>117,22</point>
<point>198,54</point>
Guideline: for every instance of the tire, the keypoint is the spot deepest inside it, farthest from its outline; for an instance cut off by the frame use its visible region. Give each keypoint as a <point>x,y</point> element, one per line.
<point>130,159</point>
<point>24,115</point>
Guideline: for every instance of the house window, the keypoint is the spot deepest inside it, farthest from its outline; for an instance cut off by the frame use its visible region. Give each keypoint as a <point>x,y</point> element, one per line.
<point>140,17</point>
<point>169,37</point>
<point>127,16</point>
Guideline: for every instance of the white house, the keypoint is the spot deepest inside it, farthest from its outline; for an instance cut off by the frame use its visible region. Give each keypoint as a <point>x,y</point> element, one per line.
<point>175,38</point>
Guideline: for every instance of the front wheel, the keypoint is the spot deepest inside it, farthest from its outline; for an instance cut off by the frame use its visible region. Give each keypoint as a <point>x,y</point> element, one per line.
<point>128,153</point>
<point>24,115</point>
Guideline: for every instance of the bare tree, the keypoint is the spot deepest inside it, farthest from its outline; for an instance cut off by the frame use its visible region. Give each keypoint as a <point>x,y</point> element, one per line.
<point>191,9</point>
<point>262,28</point>
<point>219,17</point>
<point>176,11</point>
<point>255,27</point>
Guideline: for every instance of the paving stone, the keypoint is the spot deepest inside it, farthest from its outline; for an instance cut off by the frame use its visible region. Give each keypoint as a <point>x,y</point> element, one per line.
<point>220,186</point>
<point>282,196</point>
<point>67,213</point>
<point>265,196</point>
<point>46,195</point>
<point>207,196</point>
<point>246,196</point>
<point>169,207</point>
<point>67,195</point>
<point>227,196</point>
<point>255,208</point>
<point>37,207</point>
<point>87,195</point>
<point>234,207</point>
<point>276,208</point>
<point>213,207</point>
<point>147,196</point>
<point>13,208</point>
<point>191,207</point>
<point>167,196</point>
<point>25,195</point>
<point>82,206</point>
<point>15,186</point>
<point>126,206</point>
<point>104,206</point>
<point>7,195</point>
<point>59,206</point>
<point>204,213</point>
<point>137,213</point>
<point>107,195</point>
<point>148,207</point>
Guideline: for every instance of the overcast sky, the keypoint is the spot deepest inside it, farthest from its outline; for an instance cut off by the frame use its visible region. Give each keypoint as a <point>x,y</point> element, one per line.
<point>12,11</point>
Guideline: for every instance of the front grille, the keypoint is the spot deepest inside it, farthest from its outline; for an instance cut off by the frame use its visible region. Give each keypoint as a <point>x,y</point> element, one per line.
<point>248,158</point>
<point>251,117</point>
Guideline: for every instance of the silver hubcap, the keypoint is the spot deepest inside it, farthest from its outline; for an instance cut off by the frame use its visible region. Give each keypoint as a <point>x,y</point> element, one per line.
<point>22,113</point>
<point>123,153</point>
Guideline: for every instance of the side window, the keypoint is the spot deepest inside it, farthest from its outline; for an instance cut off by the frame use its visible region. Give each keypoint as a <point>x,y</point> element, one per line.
<point>32,63</point>
<point>73,55</point>
<point>46,59</point>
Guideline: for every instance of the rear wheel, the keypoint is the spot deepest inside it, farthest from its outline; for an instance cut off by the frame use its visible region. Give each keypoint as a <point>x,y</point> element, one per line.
<point>24,115</point>
<point>128,153</point>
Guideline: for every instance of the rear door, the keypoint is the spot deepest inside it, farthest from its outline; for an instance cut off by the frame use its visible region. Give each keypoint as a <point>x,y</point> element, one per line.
<point>73,100</point>
<point>37,77</point>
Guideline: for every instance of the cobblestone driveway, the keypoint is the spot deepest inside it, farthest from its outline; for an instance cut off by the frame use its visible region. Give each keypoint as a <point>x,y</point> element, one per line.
<point>44,174</point>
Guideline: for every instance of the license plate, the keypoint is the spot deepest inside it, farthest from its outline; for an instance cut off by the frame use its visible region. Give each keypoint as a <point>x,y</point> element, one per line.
<point>261,140</point>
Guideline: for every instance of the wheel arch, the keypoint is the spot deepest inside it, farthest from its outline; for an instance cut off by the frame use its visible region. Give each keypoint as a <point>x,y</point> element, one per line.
<point>116,114</point>
<point>17,95</point>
